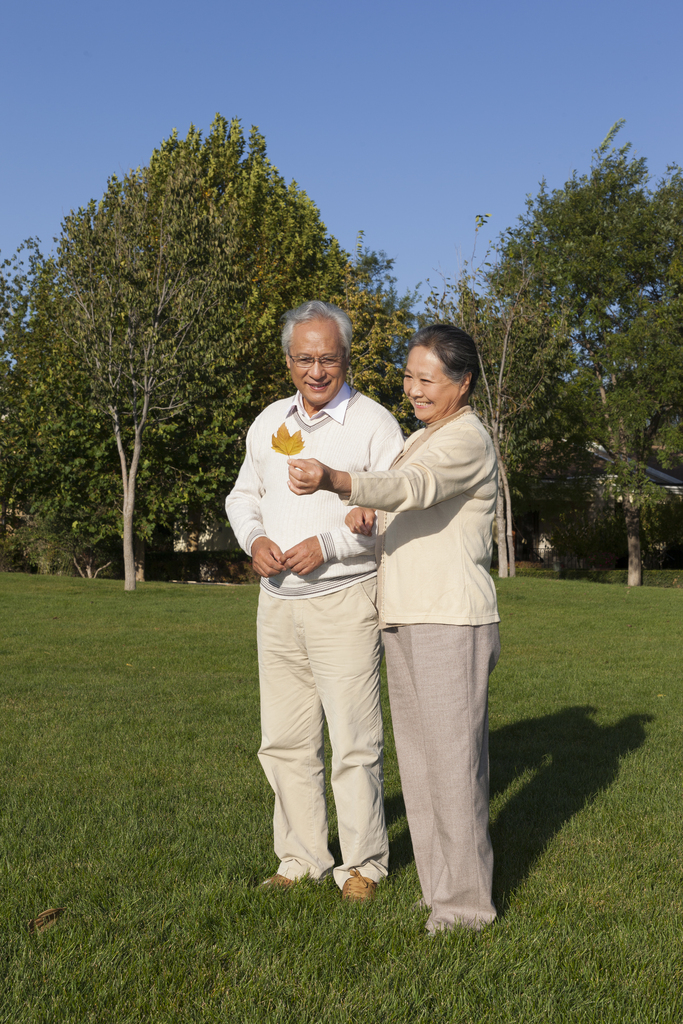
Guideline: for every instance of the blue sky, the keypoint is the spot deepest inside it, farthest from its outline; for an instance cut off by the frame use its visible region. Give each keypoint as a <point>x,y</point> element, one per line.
<point>402,119</point>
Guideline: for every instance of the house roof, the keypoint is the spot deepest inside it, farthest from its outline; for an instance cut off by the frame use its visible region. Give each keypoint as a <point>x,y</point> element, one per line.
<point>653,469</point>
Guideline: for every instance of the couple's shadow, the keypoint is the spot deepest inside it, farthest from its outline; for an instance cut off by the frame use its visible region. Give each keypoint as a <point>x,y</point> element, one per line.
<point>554,766</point>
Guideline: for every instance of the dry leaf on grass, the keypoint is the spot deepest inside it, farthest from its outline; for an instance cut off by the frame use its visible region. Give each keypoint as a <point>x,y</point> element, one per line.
<point>45,920</point>
<point>286,443</point>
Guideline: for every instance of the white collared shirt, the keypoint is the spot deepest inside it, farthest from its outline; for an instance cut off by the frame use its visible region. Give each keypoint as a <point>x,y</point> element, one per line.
<point>335,408</point>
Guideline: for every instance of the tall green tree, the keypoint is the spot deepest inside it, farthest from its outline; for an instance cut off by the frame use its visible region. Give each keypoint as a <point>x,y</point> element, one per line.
<point>14,435</point>
<point>382,323</point>
<point>146,274</point>
<point>285,255</point>
<point>83,324</point>
<point>608,247</point>
<point>58,470</point>
<point>524,358</point>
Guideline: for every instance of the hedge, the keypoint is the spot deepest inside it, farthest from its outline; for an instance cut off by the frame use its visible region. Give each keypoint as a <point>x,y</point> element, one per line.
<point>199,567</point>
<point>651,577</point>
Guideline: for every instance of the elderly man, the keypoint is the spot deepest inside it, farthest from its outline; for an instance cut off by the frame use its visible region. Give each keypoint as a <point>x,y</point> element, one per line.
<point>318,638</point>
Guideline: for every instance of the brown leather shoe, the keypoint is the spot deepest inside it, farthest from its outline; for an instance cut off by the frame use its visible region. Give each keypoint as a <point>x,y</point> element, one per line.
<point>358,887</point>
<point>277,882</point>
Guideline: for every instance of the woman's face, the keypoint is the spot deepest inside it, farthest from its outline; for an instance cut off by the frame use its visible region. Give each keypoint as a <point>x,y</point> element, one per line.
<point>432,394</point>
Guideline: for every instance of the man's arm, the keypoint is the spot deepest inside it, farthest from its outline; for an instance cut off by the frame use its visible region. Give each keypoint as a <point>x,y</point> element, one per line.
<point>340,544</point>
<point>243,508</point>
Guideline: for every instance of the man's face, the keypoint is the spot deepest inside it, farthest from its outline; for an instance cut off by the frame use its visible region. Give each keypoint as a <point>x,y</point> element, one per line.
<point>318,384</point>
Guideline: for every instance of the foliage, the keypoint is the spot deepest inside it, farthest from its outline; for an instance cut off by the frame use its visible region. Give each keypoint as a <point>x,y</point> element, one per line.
<point>524,361</point>
<point>607,247</point>
<point>283,250</point>
<point>56,548</point>
<point>59,468</point>
<point>662,528</point>
<point>147,275</point>
<point>599,536</point>
<point>275,254</point>
<point>662,578</point>
<point>372,272</point>
<point>380,331</point>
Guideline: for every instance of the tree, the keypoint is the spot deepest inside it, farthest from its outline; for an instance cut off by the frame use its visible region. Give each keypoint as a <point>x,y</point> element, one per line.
<point>523,355</point>
<point>14,438</point>
<point>285,256</point>
<point>58,466</point>
<point>281,255</point>
<point>145,274</point>
<point>608,247</point>
<point>382,323</point>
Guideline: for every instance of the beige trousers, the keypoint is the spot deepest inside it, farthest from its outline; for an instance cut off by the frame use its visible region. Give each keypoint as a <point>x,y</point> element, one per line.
<point>319,658</point>
<point>438,689</point>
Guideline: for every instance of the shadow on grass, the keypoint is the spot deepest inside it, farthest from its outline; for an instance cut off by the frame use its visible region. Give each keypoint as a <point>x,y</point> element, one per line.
<point>569,759</point>
<point>561,762</point>
<point>400,846</point>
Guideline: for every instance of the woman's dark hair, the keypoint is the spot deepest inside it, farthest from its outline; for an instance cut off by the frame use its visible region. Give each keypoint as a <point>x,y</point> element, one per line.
<point>455,349</point>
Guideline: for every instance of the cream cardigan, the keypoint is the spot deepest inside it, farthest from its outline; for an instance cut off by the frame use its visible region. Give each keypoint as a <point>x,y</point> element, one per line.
<point>435,538</point>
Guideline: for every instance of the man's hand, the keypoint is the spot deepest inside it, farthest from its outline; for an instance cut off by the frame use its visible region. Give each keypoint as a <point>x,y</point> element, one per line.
<point>266,557</point>
<point>361,520</point>
<point>306,476</point>
<point>304,557</point>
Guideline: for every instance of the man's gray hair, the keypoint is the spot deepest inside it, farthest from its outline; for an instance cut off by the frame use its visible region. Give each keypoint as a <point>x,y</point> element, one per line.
<point>317,310</point>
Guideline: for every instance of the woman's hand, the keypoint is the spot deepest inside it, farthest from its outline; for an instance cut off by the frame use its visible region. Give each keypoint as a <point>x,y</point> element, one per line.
<point>361,520</point>
<point>306,476</point>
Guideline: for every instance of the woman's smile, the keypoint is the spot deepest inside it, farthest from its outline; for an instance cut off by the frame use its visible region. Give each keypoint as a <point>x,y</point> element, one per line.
<point>432,394</point>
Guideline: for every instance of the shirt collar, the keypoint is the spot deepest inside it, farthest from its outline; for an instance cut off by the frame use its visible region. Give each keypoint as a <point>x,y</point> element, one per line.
<point>335,408</point>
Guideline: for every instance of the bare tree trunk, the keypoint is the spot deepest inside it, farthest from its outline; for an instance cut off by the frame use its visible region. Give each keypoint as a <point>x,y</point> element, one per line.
<point>635,562</point>
<point>139,560</point>
<point>129,568</point>
<point>509,533</point>
<point>128,476</point>
<point>500,521</point>
<point>128,541</point>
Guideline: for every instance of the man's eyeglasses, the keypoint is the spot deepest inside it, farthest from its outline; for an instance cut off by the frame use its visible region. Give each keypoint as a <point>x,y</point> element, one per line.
<point>305,362</point>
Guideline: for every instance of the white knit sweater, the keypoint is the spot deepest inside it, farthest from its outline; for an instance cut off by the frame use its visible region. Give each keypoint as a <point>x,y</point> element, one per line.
<point>262,505</point>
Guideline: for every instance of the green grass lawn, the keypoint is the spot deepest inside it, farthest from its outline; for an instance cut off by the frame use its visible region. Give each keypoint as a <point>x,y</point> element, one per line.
<point>131,795</point>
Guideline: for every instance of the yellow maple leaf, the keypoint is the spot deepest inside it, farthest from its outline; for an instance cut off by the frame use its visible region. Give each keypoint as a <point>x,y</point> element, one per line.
<point>286,443</point>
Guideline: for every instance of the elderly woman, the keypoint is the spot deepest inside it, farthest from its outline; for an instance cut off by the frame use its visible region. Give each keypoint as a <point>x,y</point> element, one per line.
<point>438,612</point>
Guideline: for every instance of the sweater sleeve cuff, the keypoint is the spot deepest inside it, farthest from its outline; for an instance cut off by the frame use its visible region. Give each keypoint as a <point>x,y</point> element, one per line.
<point>326,541</point>
<point>257,532</point>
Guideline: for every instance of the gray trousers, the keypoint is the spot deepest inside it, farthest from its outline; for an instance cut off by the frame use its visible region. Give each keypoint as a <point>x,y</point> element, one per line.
<point>438,690</point>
